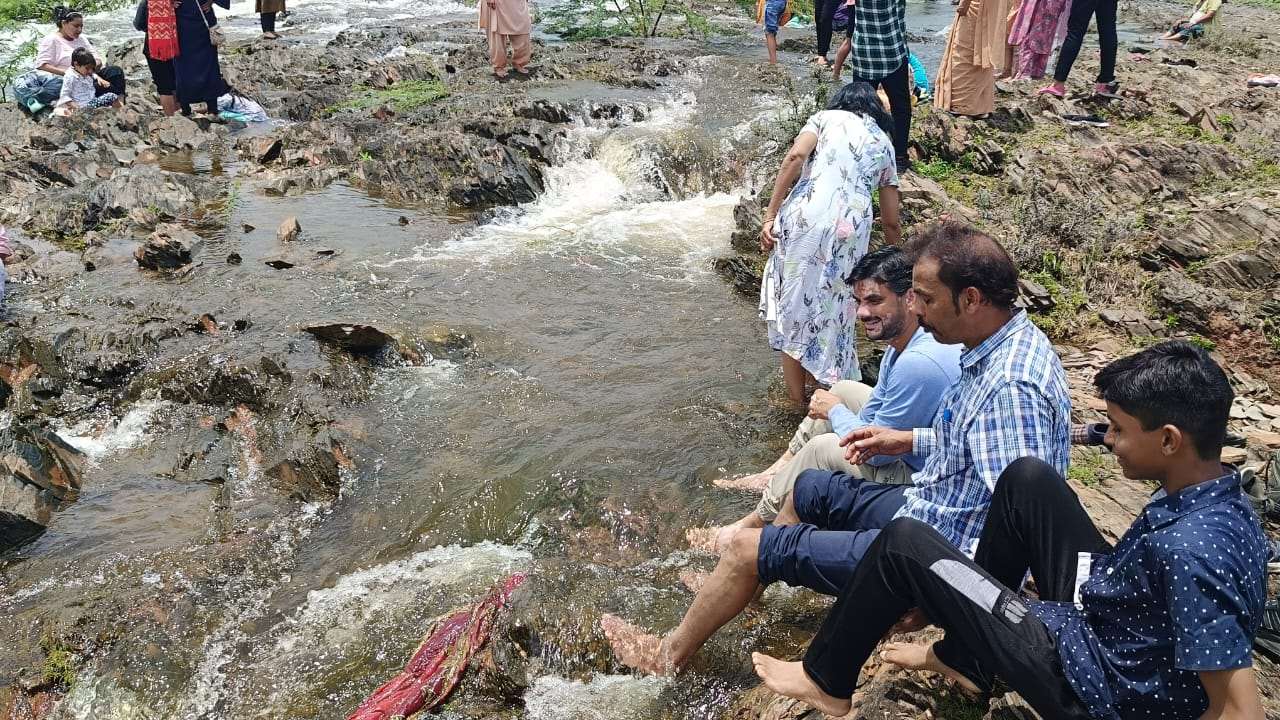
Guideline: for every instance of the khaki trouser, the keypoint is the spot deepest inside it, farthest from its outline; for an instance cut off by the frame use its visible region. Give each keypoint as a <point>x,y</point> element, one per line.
<point>521,51</point>
<point>816,447</point>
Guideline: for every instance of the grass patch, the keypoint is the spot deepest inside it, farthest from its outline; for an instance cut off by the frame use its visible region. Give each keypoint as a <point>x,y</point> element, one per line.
<point>402,97</point>
<point>60,663</point>
<point>1089,467</point>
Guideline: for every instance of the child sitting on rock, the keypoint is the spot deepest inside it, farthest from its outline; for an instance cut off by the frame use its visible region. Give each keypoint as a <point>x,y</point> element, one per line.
<point>1192,26</point>
<point>79,88</point>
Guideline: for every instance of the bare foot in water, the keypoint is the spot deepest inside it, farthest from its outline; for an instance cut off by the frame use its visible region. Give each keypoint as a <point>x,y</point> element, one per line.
<point>713,539</point>
<point>752,483</point>
<point>790,679</point>
<point>636,648</point>
<point>693,579</point>
<point>914,656</point>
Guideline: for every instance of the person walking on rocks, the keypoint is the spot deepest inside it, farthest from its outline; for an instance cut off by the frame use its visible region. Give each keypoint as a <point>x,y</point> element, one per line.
<point>1034,31</point>
<point>507,22</point>
<point>975,48</point>
<point>1082,11</point>
<point>818,226</point>
<point>267,10</point>
<point>879,55</point>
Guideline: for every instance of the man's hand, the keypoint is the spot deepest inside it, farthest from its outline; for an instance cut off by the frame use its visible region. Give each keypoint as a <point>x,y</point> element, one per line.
<point>821,403</point>
<point>865,443</point>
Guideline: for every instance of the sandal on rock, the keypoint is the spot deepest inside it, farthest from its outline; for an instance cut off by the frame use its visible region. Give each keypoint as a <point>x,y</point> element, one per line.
<point>1108,90</point>
<point>270,36</point>
<point>1051,90</point>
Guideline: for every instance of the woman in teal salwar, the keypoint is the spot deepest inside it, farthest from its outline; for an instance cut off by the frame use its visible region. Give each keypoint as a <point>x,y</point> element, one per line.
<point>819,229</point>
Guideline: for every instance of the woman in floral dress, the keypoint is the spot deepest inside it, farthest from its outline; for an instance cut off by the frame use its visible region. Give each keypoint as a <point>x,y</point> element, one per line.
<point>819,229</point>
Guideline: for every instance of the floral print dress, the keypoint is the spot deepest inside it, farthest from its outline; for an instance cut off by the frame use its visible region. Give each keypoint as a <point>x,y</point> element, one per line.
<point>822,230</point>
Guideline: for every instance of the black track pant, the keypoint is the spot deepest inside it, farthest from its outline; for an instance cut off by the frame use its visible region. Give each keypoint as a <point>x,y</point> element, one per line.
<point>990,630</point>
<point>824,13</point>
<point>1082,11</point>
<point>898,88</point>
<point>268,21</point>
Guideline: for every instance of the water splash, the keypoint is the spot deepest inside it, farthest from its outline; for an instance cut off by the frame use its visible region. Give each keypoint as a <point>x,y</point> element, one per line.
<point>98,440</point>
<point>603,697</point>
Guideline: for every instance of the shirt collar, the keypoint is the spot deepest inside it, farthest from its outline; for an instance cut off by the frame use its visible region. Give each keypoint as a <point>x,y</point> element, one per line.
<point>1165,509</point>
<point>975,355</point>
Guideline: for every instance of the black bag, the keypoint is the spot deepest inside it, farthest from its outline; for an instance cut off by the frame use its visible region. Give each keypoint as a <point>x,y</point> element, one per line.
<point>140,17</point>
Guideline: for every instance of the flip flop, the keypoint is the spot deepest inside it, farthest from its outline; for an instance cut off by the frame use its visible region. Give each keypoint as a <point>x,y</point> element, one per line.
<point>1052,91</point>
<point>1085,121</point>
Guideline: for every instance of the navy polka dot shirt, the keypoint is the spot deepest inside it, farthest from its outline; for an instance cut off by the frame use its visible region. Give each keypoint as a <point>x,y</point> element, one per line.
<point>1182,592</point>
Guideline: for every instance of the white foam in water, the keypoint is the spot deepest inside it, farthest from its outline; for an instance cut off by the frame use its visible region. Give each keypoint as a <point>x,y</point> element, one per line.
<point>604,202</point>
<point>130,431</point>
<point>604,697</point>
<point>362,593</point>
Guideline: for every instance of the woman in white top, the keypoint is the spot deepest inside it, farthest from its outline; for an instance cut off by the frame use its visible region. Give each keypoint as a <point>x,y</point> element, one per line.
<point>53,58</point>
<point>818,226</point>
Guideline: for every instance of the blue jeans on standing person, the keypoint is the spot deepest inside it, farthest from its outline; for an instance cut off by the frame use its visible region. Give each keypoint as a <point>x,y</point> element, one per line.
<point>772,14</point>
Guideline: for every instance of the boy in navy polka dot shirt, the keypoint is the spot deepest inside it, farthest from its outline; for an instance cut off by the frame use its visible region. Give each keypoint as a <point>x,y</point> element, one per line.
<point>1159,626</point>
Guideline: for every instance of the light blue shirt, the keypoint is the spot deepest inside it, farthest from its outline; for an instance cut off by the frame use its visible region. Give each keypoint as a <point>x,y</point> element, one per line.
<point>907,393</point>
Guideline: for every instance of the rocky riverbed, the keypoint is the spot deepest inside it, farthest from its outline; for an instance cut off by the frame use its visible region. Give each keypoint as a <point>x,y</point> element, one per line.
<point>276,396</point>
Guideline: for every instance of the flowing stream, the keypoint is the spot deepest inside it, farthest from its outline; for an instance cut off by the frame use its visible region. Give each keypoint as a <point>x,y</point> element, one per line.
<point>614,375</point>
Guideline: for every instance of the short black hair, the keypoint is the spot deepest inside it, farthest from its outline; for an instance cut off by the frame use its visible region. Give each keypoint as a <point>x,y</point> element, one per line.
<point>64,14</point>
<point>83,57</point>
<point>860,98</point>
<point>968,258</point>
<point>1172,383</point>
<point>888,265</point>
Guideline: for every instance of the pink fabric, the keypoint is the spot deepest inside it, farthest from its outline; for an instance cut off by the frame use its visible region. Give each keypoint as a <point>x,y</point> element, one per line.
<point>1034,32</point>
<point>437,666</point>
<point>55,50</point>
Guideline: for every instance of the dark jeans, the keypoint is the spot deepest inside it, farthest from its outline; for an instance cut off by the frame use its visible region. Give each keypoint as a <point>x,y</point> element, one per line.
<point>840,516</point>
<point>897,86</point>
<point>113,75</point>
<point>1035,522</point>
<point>824,12</point>
<point>268,22</point>
<point>1082,11</point>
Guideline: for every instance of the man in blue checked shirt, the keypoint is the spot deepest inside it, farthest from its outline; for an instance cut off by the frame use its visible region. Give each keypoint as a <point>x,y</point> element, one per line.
<point>1159,626</point>
<point>1010,402</point>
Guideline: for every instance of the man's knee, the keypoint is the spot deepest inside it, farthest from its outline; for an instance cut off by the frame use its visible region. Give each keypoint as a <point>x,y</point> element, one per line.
<point>1027,474</point>
<point>904,532</point>
<point>744,550</point>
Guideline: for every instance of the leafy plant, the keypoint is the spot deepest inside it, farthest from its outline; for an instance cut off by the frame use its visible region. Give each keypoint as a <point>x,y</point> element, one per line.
<point>402,97</point>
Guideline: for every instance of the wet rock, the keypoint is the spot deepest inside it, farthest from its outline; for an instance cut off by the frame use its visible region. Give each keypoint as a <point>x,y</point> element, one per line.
<point>168,248</point>
<point>746,233</point>
<point>744,273</point>
<point>546,111</point>
<point>38,472</point>
<point>179,132</point>
<point>311,470</point>
<point>354,338</point>
<point>278,263</point>
<point>290,230</point>
<point>247,228</point>
<point>234,259</point>
<point>265,150</point>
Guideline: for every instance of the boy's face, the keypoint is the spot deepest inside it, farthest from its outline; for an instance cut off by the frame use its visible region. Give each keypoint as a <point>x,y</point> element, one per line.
<point>83,69</point>
<point>1143,454</point>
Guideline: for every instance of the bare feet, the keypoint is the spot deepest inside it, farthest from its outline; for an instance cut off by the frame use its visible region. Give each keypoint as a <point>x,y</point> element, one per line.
<point>753,483</point>
<point>635,648</point>
<point>790,679</point>
<point>713,539</point>
<point>693,579</point>
<point>921,657</point>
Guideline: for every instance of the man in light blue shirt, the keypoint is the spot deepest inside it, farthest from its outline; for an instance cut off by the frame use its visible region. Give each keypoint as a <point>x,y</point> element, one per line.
<point>915,372</point>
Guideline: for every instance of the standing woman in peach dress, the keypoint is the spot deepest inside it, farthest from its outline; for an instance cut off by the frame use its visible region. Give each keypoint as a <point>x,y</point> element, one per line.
<point>507,22</point>
<point>975,50</point>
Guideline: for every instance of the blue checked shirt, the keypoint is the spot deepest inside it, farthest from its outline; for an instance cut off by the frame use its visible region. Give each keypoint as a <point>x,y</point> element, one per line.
<point>879,43</point>
<point>1010,402</point>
